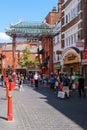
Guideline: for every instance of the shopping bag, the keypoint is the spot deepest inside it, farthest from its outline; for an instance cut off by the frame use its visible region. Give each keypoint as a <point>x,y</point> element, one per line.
<point>61,94</point>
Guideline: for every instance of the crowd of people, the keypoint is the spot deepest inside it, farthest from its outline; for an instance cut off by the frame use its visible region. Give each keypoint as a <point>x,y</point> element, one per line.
<point>65,83</point>
<point>61,82</point>
<point>57,82</point>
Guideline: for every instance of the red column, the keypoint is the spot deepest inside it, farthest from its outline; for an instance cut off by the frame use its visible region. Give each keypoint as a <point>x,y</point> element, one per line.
<point>51,54</point>
<point>14,59</point>
<point>47,45</point>
<point>43,47</point>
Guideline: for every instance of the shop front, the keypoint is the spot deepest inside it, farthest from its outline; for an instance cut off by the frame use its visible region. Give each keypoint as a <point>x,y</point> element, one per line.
<point>57,68</point>
<point>84,65</point>
<point>72,64</point>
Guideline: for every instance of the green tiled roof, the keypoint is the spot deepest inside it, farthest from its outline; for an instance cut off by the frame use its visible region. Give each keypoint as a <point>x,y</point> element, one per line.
<point>23,28</point>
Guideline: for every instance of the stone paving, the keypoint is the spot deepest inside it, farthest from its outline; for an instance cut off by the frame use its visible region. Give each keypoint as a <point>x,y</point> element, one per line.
<point>40,109</point>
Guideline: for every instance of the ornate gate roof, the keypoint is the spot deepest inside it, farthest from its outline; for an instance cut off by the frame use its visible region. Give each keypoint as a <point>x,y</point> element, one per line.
<point>28,29</point>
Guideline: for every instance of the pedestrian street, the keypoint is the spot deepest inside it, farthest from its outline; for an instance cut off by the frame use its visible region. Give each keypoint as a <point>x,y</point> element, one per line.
<point>41,109</point>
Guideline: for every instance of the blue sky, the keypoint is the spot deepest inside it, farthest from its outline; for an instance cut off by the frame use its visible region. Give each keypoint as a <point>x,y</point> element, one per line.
<point>11,11</point>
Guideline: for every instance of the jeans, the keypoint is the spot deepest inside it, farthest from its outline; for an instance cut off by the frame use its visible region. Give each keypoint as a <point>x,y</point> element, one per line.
<point>2,83</point>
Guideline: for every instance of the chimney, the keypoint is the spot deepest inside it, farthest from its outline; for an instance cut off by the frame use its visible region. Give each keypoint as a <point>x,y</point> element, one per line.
<point>54,9</point>
<point>59,6</point>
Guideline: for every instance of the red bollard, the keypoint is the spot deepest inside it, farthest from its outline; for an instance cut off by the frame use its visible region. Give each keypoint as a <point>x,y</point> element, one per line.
<point>11,86</point>
<point>7,91</point>
<point>6,81</point>
<point>10,116</point>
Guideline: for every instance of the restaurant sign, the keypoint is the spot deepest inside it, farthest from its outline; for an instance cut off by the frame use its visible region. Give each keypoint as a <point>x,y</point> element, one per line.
<point>79,44</point>
<point>84,57</point>
<point>71,58</point>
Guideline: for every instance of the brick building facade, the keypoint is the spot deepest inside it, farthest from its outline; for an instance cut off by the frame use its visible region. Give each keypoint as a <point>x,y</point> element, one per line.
<point>7,51</point>
<point>72,38</point>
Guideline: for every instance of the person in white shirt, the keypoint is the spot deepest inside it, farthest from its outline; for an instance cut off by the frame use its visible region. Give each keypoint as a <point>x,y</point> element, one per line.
<point>36,79</point>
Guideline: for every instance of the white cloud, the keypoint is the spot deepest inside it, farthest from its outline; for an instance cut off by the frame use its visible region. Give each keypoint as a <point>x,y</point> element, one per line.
<point>4,38</point>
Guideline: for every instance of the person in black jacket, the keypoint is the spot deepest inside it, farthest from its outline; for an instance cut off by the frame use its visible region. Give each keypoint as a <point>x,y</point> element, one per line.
<point>81,88</point>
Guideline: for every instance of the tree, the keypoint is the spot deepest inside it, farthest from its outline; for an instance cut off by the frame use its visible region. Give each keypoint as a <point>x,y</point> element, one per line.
<point>26,61</point>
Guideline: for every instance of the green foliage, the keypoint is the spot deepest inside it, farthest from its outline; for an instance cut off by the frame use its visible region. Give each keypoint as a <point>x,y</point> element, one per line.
<point>26,61</point>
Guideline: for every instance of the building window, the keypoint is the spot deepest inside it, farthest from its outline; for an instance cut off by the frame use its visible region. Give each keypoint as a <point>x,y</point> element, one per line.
<point>54,56</point>
<point>71,14</point>
<point>71,39</point>
<point>66,18</point>
<point>74,38</point>
<point>66,43</point>
<point>58,39</point>
<point>65,0</point>
<point>58,58</point>
<point>74,12</point>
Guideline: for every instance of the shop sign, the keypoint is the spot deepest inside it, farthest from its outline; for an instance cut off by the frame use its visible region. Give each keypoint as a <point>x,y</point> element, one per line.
<point>84,57</point>
<point>84,54</point>
<point>79,44</point>
<point>58,52</point>
<point>56,66</point>
<point>71,58</point>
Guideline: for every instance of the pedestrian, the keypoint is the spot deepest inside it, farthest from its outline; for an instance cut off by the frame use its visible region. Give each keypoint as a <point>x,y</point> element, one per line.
<point>52,81</point>
<point>81,88</point>
<point>21,84</point>
<point>66,81</point>
<point>70,83</point>
<point>2,81</point>
<point>32,81</point>
<point>57,82</point>
<point>76,81</point>
<point>36,79</point>
<point>40,79</point>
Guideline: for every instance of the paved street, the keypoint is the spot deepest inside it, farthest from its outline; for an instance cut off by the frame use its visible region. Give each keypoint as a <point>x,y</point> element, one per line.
<point>41,110</point>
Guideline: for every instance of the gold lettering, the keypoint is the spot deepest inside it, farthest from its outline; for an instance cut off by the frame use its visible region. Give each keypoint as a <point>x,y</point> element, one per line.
<point>72,57</point>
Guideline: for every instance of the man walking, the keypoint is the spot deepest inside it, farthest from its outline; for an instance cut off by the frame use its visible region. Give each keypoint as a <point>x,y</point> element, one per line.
<point>36,79</point>
<point>81,88</point>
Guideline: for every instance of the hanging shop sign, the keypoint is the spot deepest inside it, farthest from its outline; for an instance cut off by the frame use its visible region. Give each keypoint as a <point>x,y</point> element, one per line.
<point>57,66</point>
<point>84,57</point>
<point>71,58</point>
<point>58,52</point>
<point>79,44</point>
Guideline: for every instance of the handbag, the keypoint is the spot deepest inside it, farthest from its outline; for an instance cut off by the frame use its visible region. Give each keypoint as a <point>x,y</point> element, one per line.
<point>61,94</point>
